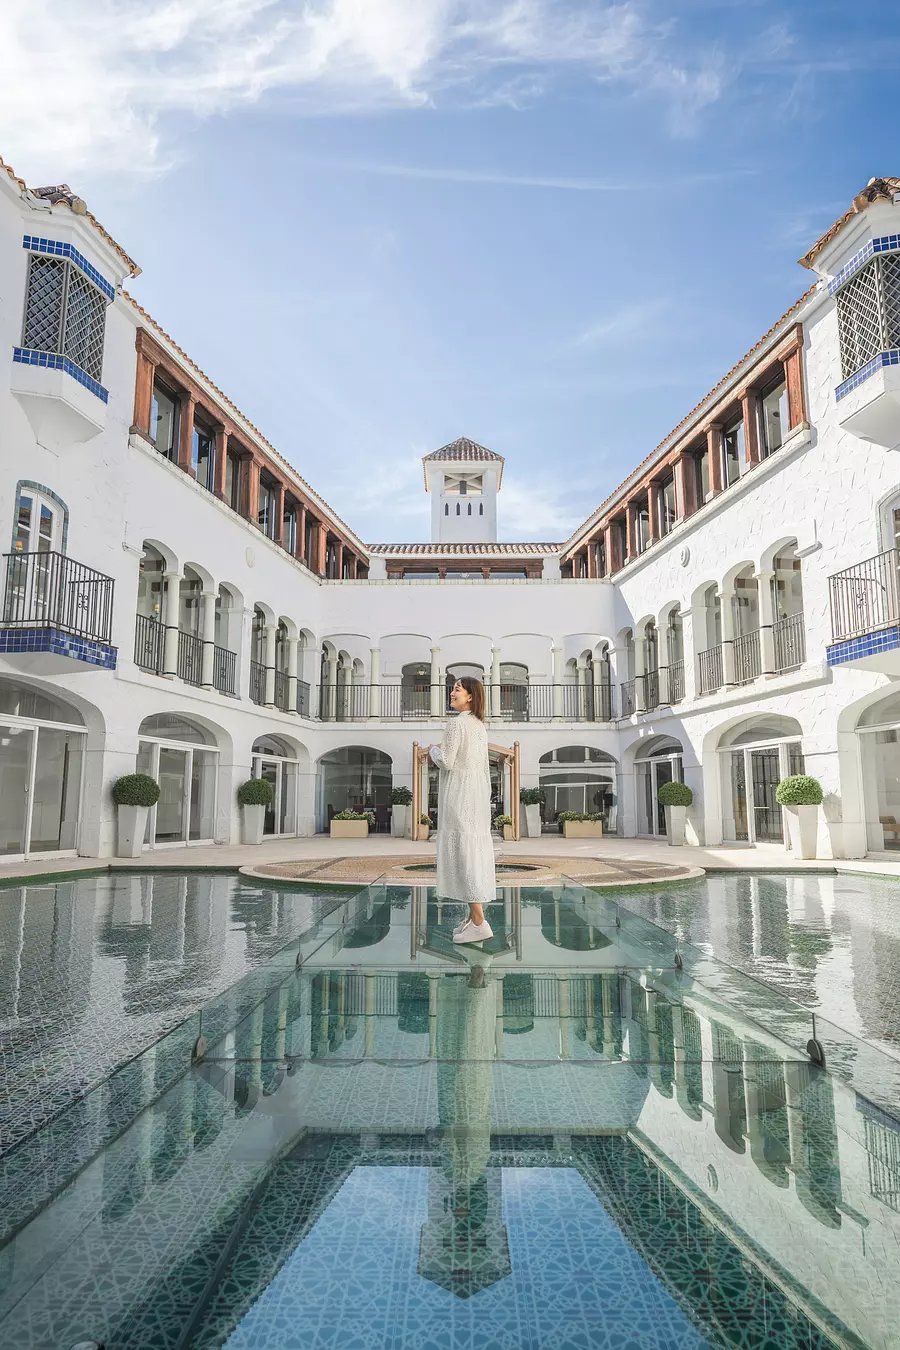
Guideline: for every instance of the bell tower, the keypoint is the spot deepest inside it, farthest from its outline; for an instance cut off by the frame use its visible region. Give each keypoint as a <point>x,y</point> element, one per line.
<point>463,479</point>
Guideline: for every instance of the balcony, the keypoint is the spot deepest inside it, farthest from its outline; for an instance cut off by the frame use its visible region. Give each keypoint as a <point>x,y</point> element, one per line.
<point>710,670</point>
<point>747,662</point>
<point>789,636</point>
<point>626,694</point>
<point>56,606</point>
<point>149,655</point>
<point>676,681</point>
<point>508,703</point>
<point>865,615</point>
<point>257,683</point>
<point>647,691</point>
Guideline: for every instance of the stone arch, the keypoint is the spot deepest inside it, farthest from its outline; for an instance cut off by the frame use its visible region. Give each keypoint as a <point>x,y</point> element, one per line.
<point>354,776</point>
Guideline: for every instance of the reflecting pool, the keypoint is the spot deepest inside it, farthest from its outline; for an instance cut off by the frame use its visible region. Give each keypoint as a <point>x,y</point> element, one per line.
<point>586,1133</point>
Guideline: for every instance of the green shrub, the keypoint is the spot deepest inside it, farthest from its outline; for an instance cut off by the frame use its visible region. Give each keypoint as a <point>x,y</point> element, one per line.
<point>500,821</point>
<point>675,794</point>
<point>355,815</point>
<point>595,816</point>
<point>401,796</point>
<point>532,796</point>
<point>424,820</point>
<point>256,792</point>
<point>136,789</point>
<point>799,790</point>
<point>563,816</point>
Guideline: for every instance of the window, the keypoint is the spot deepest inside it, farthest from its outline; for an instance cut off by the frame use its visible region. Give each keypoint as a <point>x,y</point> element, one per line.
<point>446,508</point>
<point>164,421</point>
<point>203,456</point>
<point>732,452</point>
<point>39,523</point>
<point>266,512</point>
<point>233,480</point>
<point>470,508</point>
<point>481,508</point>
<point>65,313</point>
<point>642,528</point>
<point>463,487</point>
<point>868,308</point>
<point>289,529</point>
<point>457,508</point>
<point>701,469</point>
<point>667,511</point>
<point>774,418</point>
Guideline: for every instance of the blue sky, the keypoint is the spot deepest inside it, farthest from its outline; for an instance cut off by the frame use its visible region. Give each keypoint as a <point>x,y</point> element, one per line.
<point>380,224</point>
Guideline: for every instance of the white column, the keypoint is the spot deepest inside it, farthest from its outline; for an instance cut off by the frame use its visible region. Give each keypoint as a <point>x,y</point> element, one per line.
<point>170,637</point>
<point>344,698</point>
<point>437,683</point>
<point>209,639</point>
<point>269,663</point>
<point>495,682</point>
<point>581,676</point>
<point>597,681</point>
<point>556,653</point>
<point>293,655</point>
<point>640,666</point>
<point>727,612</point>
<point>375,681</point>
<point>330,708</point>
<point>245,653</point>
<point>766,603</point>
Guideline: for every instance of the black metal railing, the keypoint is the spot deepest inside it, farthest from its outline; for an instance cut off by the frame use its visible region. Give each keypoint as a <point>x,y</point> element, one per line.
<point>149,642</point>
<point>676,681</point>
<point>626,697</point>
<point>790,642</point>
<point>353,702</point>
<point>51,590</point>
<point>257,682</point>
<point>190,657</point>
<point>865,597</point>
<point>281,691</point>
<point>710,666</point>
<point>304,699</point>
<point>747,663</point>
<point>224,670</point>
<point>647,690</point>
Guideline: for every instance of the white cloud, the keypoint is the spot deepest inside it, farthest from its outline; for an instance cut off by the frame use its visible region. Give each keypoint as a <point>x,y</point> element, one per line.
<point>107,84</point>
<point>637,319</point>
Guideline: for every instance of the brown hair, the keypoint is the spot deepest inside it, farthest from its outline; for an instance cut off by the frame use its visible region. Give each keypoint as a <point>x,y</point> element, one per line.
<point>476,689</point>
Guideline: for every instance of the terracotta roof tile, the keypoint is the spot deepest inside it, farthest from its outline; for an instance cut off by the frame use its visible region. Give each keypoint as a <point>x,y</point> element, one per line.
<point>463,451</point>
<point>464,550</point>
<point>877,189</point>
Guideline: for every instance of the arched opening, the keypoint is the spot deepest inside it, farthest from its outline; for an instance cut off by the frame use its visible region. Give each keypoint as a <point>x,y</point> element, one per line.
<point>626,672</point>
<point>756,754</point>
<point>879,736</point>
<point>258,657</point>
<point>229,616</point>
<point>275,759</point>
<point>513,691</point>
<point>579,778</point>
<point>745,613</point>
<point>282,700</point>
<point>675,655</point>
<point>42,743</point>
<point>456,672</point>
<point>659,761</point>
<point>148,631</point>
<point>415,689</point>
<point>183,758</point>
<point>357,778</point>
<point>710,674</point>
<point>788,632</point>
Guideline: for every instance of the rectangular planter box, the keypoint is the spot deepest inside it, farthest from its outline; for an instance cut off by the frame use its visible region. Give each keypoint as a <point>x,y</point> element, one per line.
<point>582,829</point>
<point>509,834</point>
<point>424,833</point>
<point>349,829</point>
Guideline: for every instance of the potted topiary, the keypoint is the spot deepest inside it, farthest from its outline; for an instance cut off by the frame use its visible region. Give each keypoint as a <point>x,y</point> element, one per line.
<point>401,801</point>
<point>505,824</point>
<point>352,824</point>
<point>254,796</point>
<point>424,827</point>
<point>133,794</point>
<point>675,798</point>
<point>801,796</point>
<point>581,825</point>
<point>532,799</point>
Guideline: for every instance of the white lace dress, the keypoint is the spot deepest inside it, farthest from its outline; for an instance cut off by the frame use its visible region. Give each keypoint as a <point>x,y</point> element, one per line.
<point>465,850</point>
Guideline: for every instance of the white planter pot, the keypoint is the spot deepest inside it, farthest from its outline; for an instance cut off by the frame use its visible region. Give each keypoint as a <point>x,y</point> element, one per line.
<point>400,821</point>
<point>676,816</point>
<point>253,818</point>
<point>803,826</point>
<point>131,825</point>
<point>532,821</point>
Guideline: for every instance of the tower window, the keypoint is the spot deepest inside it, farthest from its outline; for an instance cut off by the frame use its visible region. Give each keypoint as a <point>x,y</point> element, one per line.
<point>481,508</point>
<point>446,508</point>
<point>470,508</point>
<point>457,508</point>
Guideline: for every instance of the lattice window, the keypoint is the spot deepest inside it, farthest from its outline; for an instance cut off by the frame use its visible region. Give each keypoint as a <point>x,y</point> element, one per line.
<point>869,313</point>
<point>64,313</point>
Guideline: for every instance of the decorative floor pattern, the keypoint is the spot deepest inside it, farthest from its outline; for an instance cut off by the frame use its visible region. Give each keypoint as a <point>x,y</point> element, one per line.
<point>541,870</point>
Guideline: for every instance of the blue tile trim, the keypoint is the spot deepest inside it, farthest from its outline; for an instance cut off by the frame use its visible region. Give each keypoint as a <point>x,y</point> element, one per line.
<point>869,644</point>
<point>60,250</point>
<point>891,358</point>
<point>13,640</point>
<point>26,356</point>
<point>887,243</point>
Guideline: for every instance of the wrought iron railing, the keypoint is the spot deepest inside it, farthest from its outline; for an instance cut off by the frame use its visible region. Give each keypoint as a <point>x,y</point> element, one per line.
<point>626,697</point>
<point>747,664</point>
<point>353,702</point>
<point>224,670</point>
<point>149,641</point>
<point>257,682</point>
<point>304,698</point>
<point>190,657</point>
<point>676,681</point>
<point>647,690</point>
<point>281,691</point>
<point>865,597</point>
<point>52,590</point>
<point>710,665</point>
<point>790,642</point>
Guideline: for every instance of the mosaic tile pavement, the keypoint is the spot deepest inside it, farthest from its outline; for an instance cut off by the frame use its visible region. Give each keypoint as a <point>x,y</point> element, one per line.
<point>536,870</point>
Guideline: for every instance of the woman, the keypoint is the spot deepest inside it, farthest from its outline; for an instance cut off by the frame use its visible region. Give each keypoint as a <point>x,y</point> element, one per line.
<point>465,851</point>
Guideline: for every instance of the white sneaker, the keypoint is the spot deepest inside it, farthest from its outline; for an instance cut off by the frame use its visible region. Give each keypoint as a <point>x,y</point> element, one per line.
<point>473,932</point>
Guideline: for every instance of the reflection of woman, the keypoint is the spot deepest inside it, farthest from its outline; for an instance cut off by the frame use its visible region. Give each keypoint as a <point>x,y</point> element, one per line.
<point>465,1045</point>
<point>465,851</point>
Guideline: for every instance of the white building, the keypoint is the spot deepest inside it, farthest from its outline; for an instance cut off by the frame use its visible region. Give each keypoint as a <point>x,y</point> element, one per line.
<point>178,599</point>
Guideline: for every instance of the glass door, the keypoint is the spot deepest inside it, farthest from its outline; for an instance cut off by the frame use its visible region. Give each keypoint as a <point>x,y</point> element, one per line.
<point>765,774</point>
<point>57,790</point>
<point>16,766</point>
<point>739,795</point>
<point>171,809</point>
<point>270,771</point>
<point>663,772</point>
<point>281,815</point>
